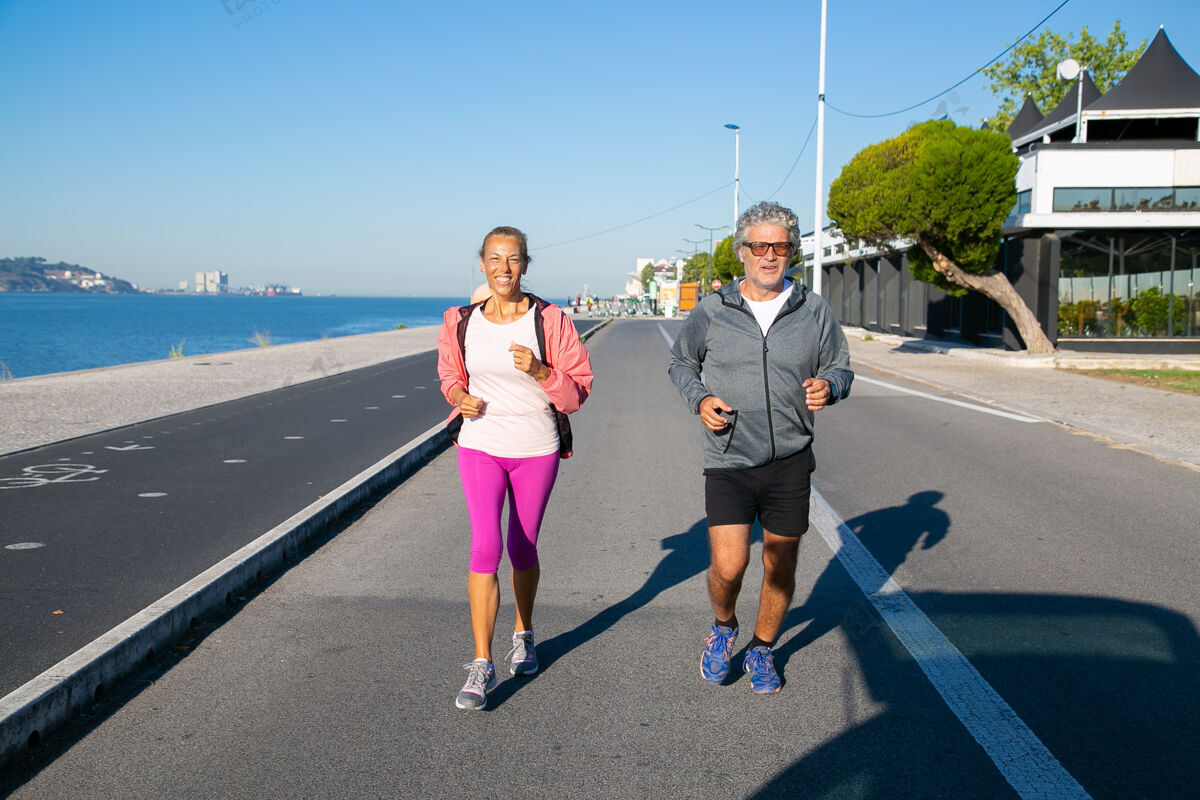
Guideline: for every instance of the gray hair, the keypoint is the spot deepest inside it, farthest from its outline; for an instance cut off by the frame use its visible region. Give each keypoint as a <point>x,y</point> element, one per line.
<point>767,213</point>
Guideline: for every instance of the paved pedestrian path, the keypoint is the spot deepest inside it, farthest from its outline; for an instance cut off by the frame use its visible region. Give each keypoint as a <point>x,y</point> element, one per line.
<point>338,679</point>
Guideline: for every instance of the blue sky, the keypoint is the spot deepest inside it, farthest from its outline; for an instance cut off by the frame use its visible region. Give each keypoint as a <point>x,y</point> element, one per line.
<point>364,148</point>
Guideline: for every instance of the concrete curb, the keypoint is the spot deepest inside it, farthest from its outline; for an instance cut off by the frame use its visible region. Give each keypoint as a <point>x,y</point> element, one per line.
<point>45,703</point>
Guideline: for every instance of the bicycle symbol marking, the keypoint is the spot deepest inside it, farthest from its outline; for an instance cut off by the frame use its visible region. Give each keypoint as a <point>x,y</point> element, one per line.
<point>63,473</point>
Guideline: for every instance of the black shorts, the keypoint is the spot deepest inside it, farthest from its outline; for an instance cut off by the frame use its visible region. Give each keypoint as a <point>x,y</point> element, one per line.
<point>776,493</point>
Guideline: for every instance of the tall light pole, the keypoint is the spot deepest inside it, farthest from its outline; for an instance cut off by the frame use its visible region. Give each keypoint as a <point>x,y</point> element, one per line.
<point>819,210</point>
<point>710,249</point>
<point>695,243</point>
<point>737,133</point>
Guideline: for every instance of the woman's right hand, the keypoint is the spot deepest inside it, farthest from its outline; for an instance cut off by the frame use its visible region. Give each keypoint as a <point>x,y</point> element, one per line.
<point>468,404</point>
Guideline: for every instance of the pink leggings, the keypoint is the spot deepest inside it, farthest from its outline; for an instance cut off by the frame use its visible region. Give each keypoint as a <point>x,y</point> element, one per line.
<point>486,480</point>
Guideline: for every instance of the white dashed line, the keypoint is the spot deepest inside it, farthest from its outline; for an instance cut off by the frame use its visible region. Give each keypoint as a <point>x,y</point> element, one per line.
<point>1028,766</point>
<point>293,437</point>
<point>337,420</point>
<point>398,396</point>
<point>371,408</point>
<point>24,546</point>
<point>153,494</point>
<point>234,461</point>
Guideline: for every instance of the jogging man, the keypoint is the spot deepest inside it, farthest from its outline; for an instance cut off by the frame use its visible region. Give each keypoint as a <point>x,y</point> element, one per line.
<point>755,360</point>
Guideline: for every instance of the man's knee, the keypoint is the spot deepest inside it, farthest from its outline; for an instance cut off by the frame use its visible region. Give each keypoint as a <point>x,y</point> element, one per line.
<point>728,572</point>
<point>780,555</point>
<point>730,545</point>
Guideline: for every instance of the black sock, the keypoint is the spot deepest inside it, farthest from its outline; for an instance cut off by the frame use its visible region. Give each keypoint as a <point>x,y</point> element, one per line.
<point>732,623</point>
<point>757,642</point>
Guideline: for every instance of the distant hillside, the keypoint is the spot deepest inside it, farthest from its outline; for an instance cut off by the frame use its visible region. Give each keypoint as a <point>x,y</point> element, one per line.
<point>35,275</point>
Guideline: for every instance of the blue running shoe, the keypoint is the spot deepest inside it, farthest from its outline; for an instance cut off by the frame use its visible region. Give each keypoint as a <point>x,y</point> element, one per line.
<point>760,663</point>
<point>718,648</point>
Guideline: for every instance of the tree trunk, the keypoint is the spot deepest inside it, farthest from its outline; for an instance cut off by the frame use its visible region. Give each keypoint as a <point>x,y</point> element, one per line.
<point>995,286</point>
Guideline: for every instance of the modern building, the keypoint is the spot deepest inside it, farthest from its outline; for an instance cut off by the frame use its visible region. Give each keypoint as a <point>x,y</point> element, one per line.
<point>215,282</point>
<point>1104,240</point>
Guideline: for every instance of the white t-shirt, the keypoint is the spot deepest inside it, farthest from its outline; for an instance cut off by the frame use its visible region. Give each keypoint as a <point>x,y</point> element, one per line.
<point>516,421</point>
<point>765,311</point>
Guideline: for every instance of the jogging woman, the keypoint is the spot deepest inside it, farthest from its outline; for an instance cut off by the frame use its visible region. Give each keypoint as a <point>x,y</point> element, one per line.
<point>513,366</point>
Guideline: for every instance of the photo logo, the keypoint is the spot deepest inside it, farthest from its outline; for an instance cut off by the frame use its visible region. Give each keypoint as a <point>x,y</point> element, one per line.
<point>245,12</point>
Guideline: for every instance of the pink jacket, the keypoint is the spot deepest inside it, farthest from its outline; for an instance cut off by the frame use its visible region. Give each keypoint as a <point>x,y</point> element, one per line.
<point>570,380</point>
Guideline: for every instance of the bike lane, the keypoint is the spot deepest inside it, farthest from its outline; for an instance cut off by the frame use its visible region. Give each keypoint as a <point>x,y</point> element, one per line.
<point>99,527</point>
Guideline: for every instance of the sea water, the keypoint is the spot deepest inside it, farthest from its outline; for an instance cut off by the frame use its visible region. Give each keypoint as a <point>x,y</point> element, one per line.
<point>41,333</point>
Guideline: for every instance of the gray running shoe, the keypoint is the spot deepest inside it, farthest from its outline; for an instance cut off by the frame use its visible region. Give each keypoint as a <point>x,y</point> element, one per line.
<point>481,677</point>
<point>522,659</point>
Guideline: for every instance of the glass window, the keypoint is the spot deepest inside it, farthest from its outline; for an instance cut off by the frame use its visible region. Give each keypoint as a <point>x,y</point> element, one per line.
<point>1083,200</point>
<point>1187,198</point>
<point>1156,199</point>
<point>1023,201</point>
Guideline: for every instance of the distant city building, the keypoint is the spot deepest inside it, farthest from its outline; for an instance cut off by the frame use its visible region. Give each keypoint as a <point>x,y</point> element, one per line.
<point>215,282</point>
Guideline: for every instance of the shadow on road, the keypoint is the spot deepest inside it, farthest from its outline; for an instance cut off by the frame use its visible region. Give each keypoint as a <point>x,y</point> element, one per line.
<point>890,534</point>
<point>1107,685</point>
<point>687,556</point>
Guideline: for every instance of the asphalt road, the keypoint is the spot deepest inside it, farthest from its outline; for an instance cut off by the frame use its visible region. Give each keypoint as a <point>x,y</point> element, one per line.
<point>1057,567</point>
<point>102,526</point>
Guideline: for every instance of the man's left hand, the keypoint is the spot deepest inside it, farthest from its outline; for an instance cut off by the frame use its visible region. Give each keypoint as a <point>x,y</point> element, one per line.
<point>816,393</point>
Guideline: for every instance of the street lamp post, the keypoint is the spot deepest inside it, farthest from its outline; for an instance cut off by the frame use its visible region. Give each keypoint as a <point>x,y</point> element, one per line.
<point>710,249</point>
<point>819,203</point>
<point>1068,70</point>
<point>695,243</point>
<point>737,133</point>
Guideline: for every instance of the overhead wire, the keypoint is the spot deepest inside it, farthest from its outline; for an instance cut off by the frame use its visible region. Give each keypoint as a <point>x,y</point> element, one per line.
<point>1029,33</point>
<point>634,222</point>
<point>803,147</point>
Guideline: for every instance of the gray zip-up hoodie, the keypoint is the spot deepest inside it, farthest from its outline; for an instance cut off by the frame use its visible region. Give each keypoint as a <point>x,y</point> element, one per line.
<point>722,351</point>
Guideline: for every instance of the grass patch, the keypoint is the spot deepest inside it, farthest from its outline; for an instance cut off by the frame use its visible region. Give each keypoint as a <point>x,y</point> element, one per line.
<point>261,338</point>
<point>5,375</point>
<point>176,351</point>
<point>401,326</point>
<point>1176,380</point>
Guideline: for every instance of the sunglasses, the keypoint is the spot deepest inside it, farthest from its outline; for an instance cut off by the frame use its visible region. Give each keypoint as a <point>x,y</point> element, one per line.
<point>760,248</point>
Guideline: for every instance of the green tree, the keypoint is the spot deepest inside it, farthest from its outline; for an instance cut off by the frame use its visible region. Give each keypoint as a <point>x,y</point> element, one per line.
<point>647,275</point>
<point>948,189</point>
<point>1031,69</point>
<point>696,268</point>
<point>726,266</point>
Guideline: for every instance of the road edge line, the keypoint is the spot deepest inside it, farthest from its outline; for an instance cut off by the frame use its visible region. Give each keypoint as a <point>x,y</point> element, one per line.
<point>35,710</point>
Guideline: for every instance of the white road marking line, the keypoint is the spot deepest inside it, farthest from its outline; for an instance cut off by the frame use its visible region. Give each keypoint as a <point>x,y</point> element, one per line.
<point>234,461</point>
<point>972,406</point>
<point>24,546</point>
<point>1028,766</point>
<point>667,336</point>
<point>337,420</point>
<point>293,437</point>
<point>153,494</point>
